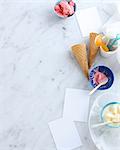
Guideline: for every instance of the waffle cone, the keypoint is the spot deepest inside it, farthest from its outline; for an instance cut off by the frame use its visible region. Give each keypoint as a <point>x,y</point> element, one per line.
<point>80,54</point>
<point>93,49</point>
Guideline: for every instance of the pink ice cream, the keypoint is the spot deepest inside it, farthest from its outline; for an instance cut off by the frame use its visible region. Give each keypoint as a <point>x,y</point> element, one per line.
<point>99,77</point>
<point>64,8</point>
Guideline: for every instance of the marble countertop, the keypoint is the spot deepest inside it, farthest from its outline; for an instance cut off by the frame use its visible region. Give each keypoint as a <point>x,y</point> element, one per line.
<point>36,66</point>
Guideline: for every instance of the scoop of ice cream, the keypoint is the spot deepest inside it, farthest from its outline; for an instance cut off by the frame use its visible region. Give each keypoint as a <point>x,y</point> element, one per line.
<point>64,8</point>
<point>112,114</point>
<point>105,39</point>
<point>99,77</point>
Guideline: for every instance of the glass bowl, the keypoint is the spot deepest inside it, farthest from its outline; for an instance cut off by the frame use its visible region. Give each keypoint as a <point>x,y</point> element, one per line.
<point>110,106</point>
<point>104,137</point>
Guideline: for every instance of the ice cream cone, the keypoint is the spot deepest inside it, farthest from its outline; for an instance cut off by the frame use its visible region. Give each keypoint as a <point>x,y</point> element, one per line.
<point>80,54</point>
<point>93,49</point>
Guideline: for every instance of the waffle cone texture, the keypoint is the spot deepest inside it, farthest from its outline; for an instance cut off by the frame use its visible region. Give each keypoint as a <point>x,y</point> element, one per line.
<point>80,53</point>
<point>93,49</point>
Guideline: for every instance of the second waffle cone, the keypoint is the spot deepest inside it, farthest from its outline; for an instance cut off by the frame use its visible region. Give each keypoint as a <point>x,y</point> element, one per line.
<point>80,54</point>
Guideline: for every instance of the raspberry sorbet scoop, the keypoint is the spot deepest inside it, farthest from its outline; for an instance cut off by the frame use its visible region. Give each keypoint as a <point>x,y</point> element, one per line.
<point>64,8</point>
<point>99,77</point>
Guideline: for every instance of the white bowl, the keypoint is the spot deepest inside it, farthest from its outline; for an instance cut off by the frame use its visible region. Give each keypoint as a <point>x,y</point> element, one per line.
<point>118,56</point>
<point>108,54</point>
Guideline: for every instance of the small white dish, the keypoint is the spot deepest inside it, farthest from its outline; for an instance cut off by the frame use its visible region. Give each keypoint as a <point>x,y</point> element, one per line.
<point>118,56</point>
<point>108,54</point>
<point>104,137</point>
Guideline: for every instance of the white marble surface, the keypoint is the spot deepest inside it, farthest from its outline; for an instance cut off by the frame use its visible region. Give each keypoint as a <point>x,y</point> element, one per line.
<point>35,68</point>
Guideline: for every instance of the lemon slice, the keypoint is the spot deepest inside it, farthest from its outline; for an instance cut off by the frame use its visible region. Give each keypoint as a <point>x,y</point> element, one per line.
<point>99,42</point>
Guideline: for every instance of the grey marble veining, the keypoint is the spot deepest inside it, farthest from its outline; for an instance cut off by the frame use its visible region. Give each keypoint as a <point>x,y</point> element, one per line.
<point>36,66</point>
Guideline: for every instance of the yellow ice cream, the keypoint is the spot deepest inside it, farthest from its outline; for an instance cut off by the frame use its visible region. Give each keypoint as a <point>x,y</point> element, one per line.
<point>111,114</point>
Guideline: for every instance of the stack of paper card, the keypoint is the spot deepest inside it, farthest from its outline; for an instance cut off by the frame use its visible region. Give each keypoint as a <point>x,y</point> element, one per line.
<point>76,105</point>
<point>88,20</point>
<point>65,134</point>
<point>112,29</point>
<point>76,108</point>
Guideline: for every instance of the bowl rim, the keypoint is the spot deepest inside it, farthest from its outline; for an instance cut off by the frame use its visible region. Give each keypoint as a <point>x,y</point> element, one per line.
<point>104,107</point>
<point>103,67</point>
<point>109,52</point>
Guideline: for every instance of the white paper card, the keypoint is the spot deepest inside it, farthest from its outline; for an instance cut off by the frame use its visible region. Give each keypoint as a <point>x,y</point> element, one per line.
<point>88,20</point>
<point>65,134</point>
<point>112,29</point>
<point>76,105</point>
<point>118,7</point>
